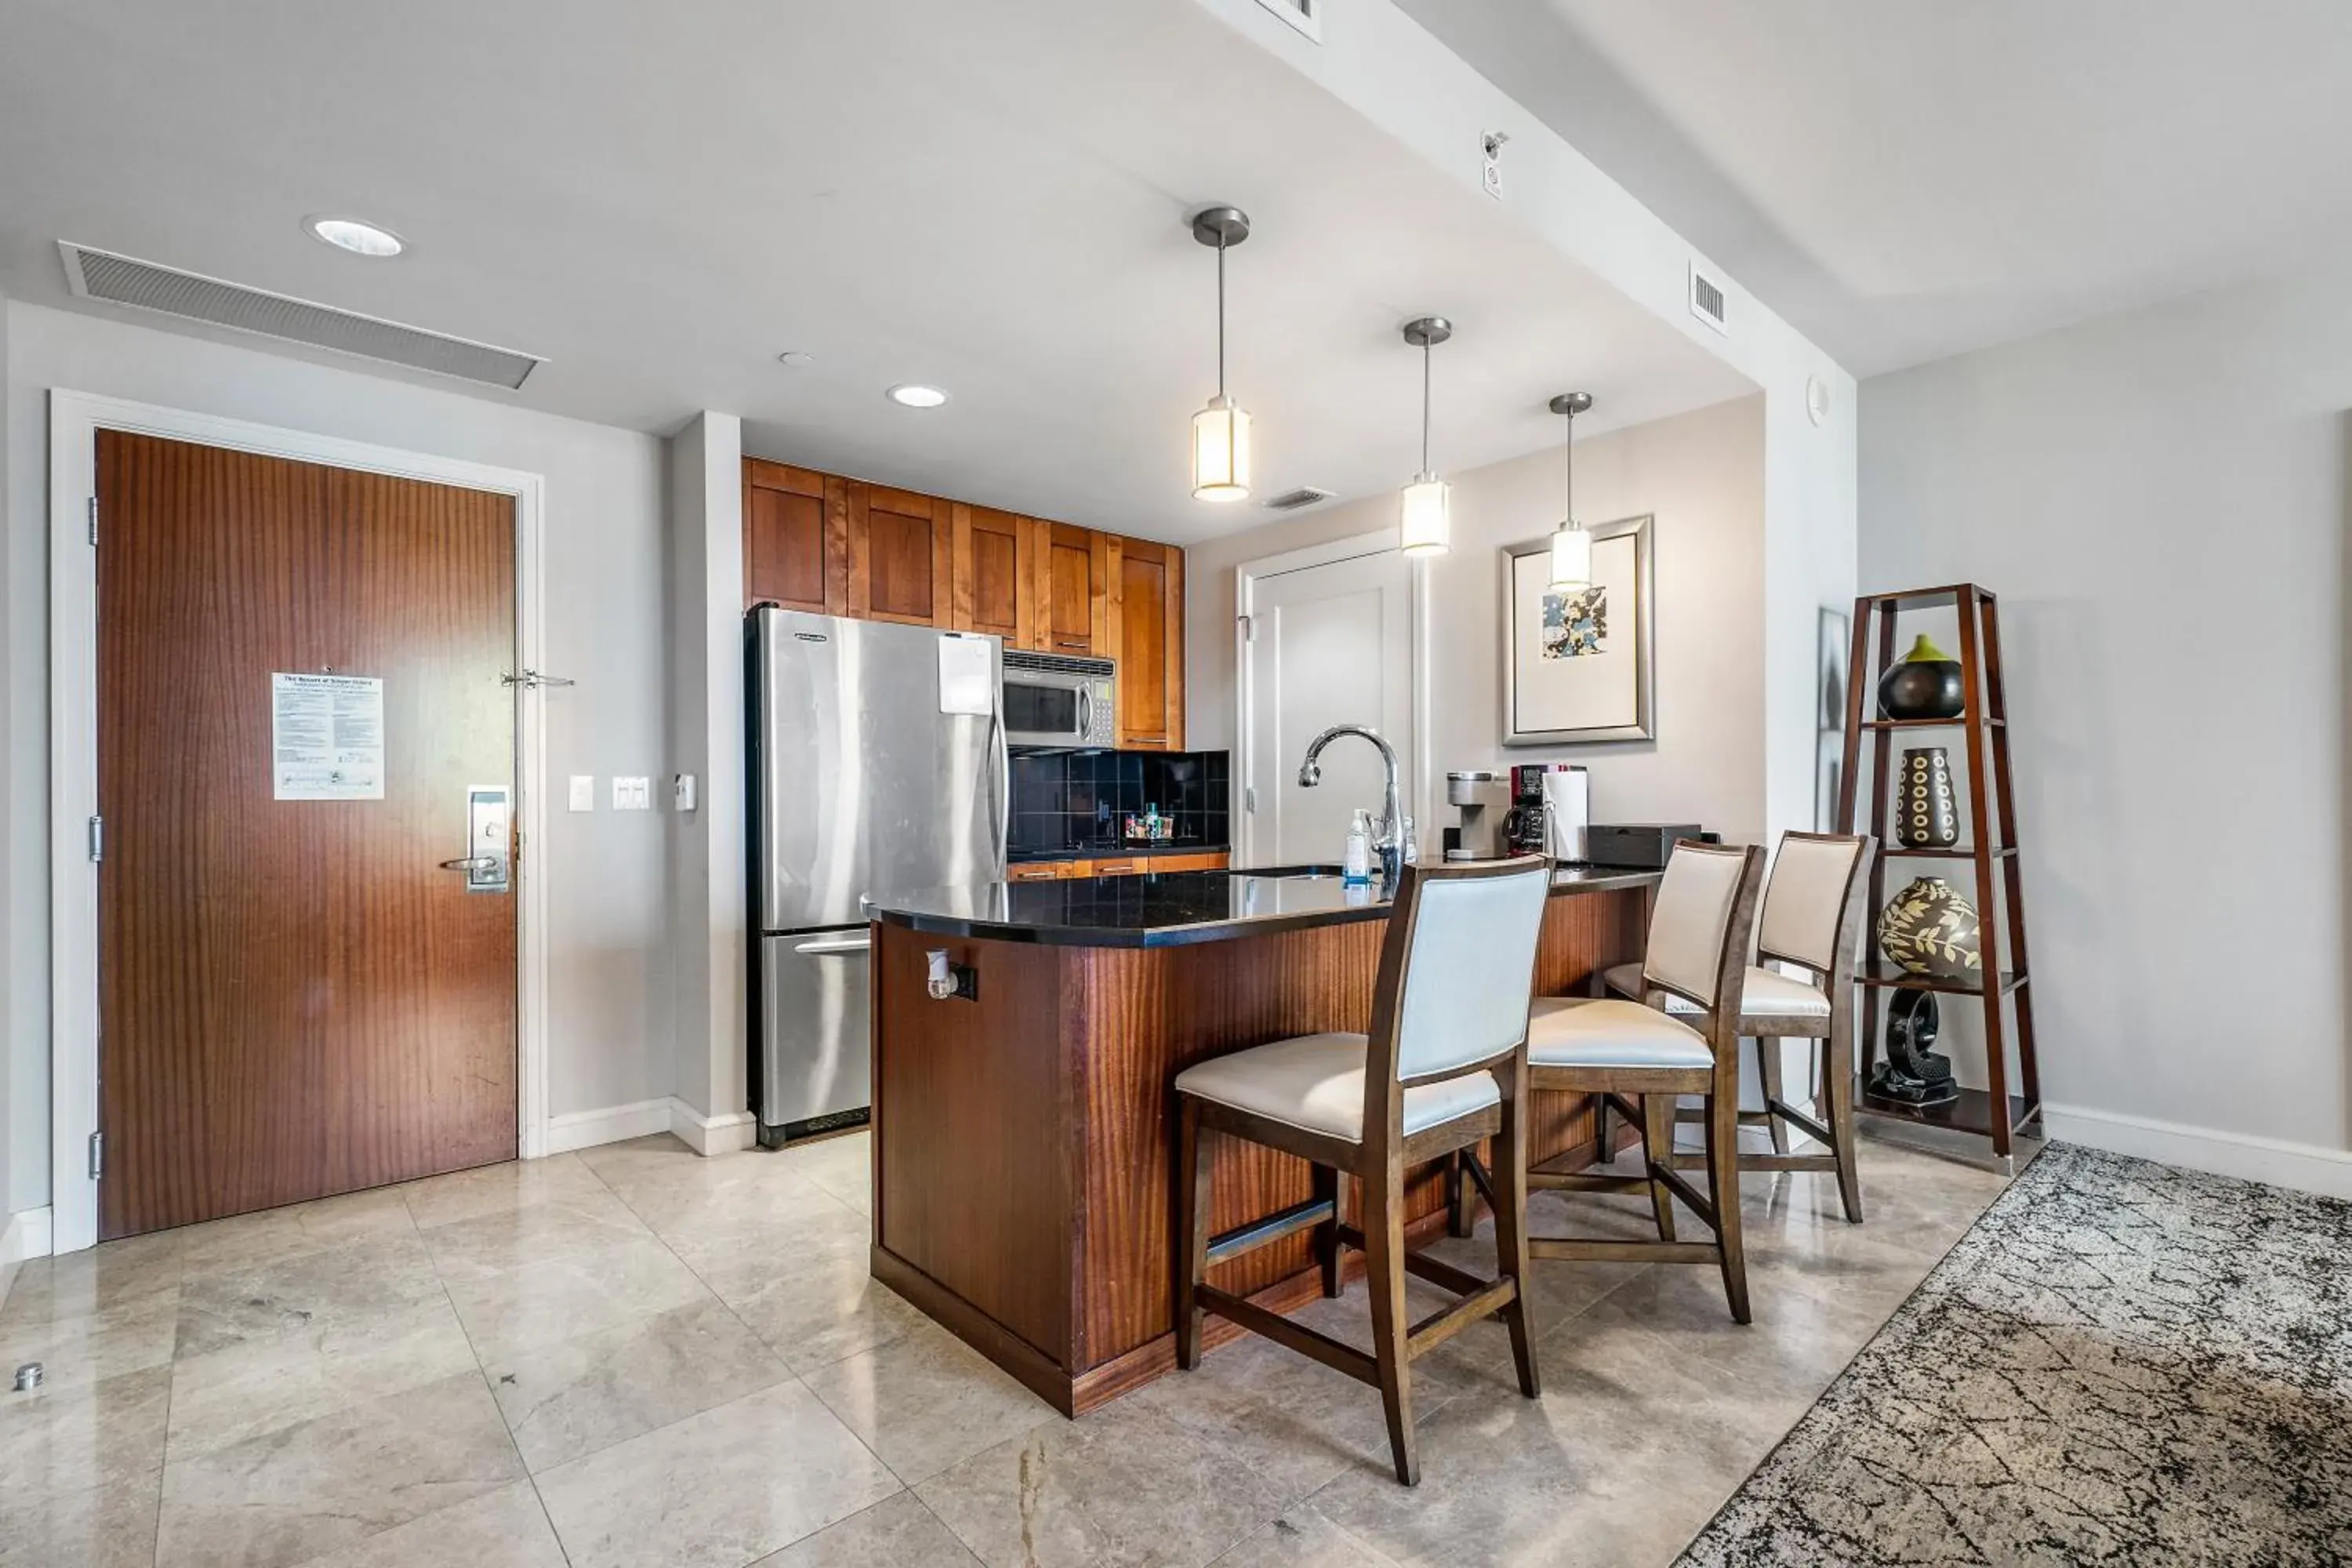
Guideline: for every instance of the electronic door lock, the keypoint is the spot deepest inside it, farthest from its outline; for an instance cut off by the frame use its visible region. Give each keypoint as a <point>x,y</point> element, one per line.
<point>488,861</point>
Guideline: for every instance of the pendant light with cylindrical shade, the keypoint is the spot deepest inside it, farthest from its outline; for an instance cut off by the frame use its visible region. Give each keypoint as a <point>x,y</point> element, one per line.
<point>1572,545</point>
<point>1426,513</point>
<point>1220,432</point>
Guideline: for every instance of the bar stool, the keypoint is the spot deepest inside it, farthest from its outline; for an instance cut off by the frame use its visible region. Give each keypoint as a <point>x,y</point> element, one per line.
<point>1699,928</point>
<point>1812,915</point>
<point>1444,1066</point>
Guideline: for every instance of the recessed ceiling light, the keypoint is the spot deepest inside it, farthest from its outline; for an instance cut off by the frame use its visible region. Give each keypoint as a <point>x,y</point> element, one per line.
<point>914,394</point>
<point>796,359</point>
<point>351,234</point>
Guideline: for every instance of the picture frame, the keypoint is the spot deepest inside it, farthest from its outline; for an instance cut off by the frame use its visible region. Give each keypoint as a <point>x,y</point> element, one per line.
<point>1584,673</point>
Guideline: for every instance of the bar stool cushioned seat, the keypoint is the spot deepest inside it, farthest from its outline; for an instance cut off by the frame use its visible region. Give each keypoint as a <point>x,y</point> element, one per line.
<point>1764,994</point>
<point>1577,1031</point>
<point>1317,1082</point>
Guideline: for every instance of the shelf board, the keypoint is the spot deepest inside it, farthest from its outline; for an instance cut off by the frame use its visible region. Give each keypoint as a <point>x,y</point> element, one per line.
<point>1882,977</point>
<point>1971,1112</point>
<point>1920,598</point>
<point>1895,852</point>
<point>1960,723</point>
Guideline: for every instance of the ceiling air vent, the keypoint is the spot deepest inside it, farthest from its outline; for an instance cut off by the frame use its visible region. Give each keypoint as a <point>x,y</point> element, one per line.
<point>1307,16</point>
<point>145,285</point>
<point>1291,500</point>
<point>1706,300</point>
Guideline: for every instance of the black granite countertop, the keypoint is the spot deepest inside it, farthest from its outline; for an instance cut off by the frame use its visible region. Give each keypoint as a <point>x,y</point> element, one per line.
<point>1170,908</point>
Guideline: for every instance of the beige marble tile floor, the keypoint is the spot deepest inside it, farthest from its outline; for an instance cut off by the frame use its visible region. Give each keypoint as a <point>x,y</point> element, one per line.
<point>633,1356</point>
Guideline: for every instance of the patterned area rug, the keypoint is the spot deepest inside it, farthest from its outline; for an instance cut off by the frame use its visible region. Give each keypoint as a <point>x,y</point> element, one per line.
<point>2121,1362</point>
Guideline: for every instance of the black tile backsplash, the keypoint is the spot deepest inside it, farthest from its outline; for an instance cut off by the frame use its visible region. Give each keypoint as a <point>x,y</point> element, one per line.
<point>1076,802</point>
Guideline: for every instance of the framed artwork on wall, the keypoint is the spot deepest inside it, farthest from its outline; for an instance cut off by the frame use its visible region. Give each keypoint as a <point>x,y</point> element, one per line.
<point>1579,667</point>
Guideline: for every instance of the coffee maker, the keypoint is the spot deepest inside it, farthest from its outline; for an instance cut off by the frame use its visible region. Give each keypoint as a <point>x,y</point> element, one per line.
<point>1483,802</point>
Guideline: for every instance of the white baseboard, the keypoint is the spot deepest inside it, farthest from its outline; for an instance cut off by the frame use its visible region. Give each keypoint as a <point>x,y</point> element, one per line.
<point>711,1134</point>
<point>2302,1166</point>
<point>614,1123</point>
<point>24,1236</point>
<point>703,1134</point>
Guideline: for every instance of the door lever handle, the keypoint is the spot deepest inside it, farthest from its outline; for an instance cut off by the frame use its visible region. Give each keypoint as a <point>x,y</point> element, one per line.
<point>473,863</point>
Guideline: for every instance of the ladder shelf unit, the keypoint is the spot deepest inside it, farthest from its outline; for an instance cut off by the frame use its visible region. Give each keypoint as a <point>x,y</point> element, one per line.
<point>1996,1113</point>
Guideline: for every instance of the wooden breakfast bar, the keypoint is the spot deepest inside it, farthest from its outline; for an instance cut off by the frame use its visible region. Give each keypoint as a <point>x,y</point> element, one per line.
<point>1022,1144</point>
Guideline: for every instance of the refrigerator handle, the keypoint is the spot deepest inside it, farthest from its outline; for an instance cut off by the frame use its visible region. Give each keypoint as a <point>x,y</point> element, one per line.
<point>1000,794</point>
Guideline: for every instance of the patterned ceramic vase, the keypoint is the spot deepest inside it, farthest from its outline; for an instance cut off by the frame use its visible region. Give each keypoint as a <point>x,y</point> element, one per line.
<point>1927,816</point>
<point>1924,684</point>
<point>1929,929</point>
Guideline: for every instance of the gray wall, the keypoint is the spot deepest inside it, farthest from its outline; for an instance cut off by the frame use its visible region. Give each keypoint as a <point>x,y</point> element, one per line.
<point>1701,476</point>
<point>609,989</point>
<point>14,1194</point>
<point>2160,500</point>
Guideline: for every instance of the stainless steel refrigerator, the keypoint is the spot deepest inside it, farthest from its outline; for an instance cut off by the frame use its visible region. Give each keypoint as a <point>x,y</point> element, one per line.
<point>877,761</point>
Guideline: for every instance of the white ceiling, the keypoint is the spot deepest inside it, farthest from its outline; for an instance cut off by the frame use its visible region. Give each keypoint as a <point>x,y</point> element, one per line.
<point>990,197</point>
<point>1906,179</point>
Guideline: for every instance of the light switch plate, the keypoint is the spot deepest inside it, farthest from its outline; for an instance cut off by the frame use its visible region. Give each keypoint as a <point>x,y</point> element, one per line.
<point>632,794</point>
<point>583,792</point>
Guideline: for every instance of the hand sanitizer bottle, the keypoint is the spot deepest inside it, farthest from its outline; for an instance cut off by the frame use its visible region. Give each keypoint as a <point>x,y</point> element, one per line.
<point>1357,869</point>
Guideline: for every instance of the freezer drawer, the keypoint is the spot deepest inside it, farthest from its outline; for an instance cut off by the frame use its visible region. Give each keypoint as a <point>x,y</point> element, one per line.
<point>816,1060</point>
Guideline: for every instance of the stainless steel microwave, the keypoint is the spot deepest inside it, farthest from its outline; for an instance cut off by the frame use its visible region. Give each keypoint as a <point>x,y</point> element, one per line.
<point>1059,699</point>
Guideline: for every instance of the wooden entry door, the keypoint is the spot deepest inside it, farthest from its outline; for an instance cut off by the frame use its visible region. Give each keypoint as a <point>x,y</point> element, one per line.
<point>296,998</point>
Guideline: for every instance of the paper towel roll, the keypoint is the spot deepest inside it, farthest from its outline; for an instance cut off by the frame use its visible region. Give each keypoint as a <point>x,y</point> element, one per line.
<point>1567,810</point>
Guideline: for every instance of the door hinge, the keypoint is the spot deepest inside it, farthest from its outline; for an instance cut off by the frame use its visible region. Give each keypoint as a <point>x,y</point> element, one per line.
<point>97,839</point>
<point>1249,628</point>
<point>1249,798</point>
<point>93,520</point>
<point>97,1155</point>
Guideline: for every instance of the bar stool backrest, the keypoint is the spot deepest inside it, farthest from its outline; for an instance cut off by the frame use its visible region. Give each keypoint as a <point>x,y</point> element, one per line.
<point>1458,968</point>
<point>1707,900</point>
<point>1812,900</point>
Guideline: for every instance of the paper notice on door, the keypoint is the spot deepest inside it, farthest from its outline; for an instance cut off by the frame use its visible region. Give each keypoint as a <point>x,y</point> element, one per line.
<point>965,668</point>
<point>326,737</point>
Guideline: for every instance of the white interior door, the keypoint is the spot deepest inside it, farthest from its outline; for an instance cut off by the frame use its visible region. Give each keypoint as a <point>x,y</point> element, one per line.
<point>1328,644</point>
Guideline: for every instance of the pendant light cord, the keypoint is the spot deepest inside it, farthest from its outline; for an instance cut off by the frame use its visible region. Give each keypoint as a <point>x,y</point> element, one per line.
<point>1221,315</point>
<point>1568,451</point>
<point>1424,405</point>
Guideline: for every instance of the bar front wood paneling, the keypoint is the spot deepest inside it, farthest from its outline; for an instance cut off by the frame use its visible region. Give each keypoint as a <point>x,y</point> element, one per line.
<point>1022,1140</point>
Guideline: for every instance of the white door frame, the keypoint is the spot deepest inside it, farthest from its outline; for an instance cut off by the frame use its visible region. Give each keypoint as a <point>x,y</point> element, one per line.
<point>75,420</point>
<point>1246,577</point>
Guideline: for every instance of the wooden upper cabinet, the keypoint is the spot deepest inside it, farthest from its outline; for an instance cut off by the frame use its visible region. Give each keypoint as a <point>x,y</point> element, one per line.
<point>844,547</point>
<point>1073,585</point>
<point>996,570</point>
<point>795,538</point>
<point>1147,605</point>
<point>901,556</point>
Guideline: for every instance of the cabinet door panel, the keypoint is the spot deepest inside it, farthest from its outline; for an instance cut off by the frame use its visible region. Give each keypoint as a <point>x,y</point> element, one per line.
<point>795,545</point>
<point>1074,588</point>
<point>902,559</point>
<point>993,577</point>
<point>1150,600</point>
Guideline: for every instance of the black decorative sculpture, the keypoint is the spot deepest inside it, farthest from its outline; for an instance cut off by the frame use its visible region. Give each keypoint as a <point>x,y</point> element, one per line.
<point>1911,1072</point>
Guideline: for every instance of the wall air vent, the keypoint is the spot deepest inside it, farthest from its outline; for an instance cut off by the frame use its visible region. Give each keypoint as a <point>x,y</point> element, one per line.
<point>1706,300</point>
<point>146,286</point>
<point>1307,16</point>
<point>1291,500</point>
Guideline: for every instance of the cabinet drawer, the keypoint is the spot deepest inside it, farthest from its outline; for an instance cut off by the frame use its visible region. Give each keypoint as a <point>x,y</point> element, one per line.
<point>1033,872</point>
